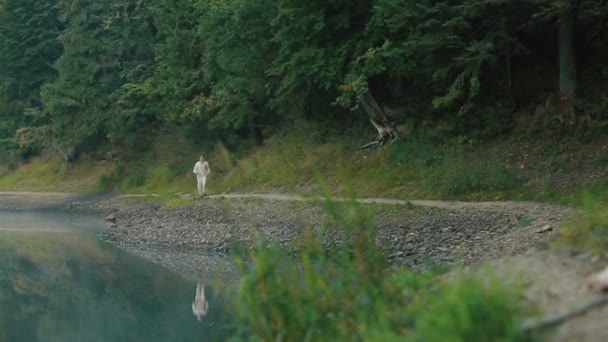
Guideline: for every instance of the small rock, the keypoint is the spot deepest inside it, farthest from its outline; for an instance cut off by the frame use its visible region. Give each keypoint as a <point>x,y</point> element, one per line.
<point>185,196</point>
<point>396,255</point>
<point>111,218</point>
<point>542,245</point>
<point>544,229</point>
<point>599,282</point>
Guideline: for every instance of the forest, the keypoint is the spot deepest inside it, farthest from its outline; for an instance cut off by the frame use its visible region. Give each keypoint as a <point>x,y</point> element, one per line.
<point>84,75</point>
<point>455,123</point>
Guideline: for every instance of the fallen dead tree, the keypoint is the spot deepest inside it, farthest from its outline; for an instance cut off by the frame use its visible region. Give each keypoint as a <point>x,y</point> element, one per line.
<point>386,126</point>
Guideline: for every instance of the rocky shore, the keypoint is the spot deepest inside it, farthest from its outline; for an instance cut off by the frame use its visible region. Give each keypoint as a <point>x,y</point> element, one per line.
<point>417,237</point>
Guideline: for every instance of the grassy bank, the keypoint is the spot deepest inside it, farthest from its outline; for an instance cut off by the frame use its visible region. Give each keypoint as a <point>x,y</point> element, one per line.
<point>52,174</point>
<point>417,167</point>
<point>420,167</point>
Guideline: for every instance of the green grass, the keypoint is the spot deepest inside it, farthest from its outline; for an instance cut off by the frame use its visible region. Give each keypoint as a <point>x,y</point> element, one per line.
<point>418,167</point>
<point>471,309</point>
<point>587,231</point>
<point>352,294</point>
<point>410,170</point>
<point>52,174</point>
<point>602,159</point>
<point>477,176</point>
<point>37,174</point>
<point>164,169</point>
<point>524,220</point>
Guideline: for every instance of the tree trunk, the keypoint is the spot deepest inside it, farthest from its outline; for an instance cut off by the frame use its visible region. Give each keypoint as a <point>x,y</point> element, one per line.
<point>387,130</point>
<point>567,66</point>
<point>68,155</point>
<point>508,65</point>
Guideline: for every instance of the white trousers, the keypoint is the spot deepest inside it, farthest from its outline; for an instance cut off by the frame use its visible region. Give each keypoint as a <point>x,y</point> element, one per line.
<point>200,292</point>
<point>201,183</point>
<point>200,306</point>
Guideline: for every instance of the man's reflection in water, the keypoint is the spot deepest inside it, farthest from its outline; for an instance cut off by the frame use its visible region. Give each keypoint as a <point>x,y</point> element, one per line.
<point>200,304</point>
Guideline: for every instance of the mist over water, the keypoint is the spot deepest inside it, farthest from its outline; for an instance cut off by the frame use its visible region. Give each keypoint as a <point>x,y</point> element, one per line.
<point>48,221</point>
<point>59,282</point>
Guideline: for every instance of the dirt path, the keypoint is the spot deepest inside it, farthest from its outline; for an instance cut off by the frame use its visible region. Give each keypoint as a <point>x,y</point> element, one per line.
<point>53,198</point>
<point>505,206</point>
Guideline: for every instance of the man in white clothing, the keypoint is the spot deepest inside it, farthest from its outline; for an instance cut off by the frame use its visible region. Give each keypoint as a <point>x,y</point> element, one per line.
<point>201,169</point>
<point>200,306</point>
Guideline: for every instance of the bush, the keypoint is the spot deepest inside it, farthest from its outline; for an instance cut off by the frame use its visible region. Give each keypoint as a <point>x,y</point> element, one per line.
<point>469,311</point>
<point>32,140</point>
<point>106,182</point>
<point>350,293</point>
<point>161,175</point>
<point>588,231</point>
<point>135,180</point>
<point>468,177</point>
<point>38,174</point>
<point>414,150</point>
<point>8,151</point>
<point>112,180</point>
<point>320,297</point>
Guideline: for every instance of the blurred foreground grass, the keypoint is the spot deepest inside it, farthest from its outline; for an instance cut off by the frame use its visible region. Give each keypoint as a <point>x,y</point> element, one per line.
<point>351,293</point>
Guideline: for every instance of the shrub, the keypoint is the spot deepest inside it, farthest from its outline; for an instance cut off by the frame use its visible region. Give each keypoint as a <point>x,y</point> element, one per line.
<point>468,177</point>
<point>469,310</point>
<point>161,175</point>
<point>349,293</point>
<point>112,180</point>
<point>38,174</point>
<point>320,297</point>
<point>106,182</point>
<point>135,180</point>
<point>414,150</point>
<point>588,231</point>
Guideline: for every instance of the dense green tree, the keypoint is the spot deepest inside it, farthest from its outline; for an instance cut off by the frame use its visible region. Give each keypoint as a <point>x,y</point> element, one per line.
<point>106,46</point>
<point>28,49</point>
<point>90,74</point>
<point>237,36</point>
<point>317,41</point>
<point>132,114</point>
<point>176,78</point>
<point>78,100</point>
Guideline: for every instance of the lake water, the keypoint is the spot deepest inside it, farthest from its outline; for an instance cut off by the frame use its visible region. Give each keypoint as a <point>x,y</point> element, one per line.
<point>59,282</point>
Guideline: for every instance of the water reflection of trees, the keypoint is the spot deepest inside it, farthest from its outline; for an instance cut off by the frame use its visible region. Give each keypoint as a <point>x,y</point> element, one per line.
<point>74,289</point>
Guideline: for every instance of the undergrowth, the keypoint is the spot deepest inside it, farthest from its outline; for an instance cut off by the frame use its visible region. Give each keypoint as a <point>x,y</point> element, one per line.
<point>164,169</point>
<point>414,168</point>
<point>420,166</point>
<point>53,174</point>
<point>588,230</point>
<point>351,293</point>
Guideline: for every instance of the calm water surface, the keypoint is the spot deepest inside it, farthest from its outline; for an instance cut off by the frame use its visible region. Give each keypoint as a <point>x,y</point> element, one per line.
<point>59,282</point>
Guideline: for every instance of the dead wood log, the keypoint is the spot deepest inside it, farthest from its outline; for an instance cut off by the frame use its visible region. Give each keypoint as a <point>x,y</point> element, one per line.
<point>386,126</point>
